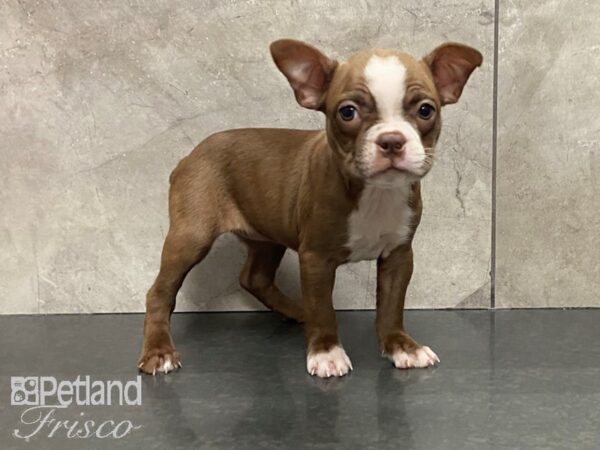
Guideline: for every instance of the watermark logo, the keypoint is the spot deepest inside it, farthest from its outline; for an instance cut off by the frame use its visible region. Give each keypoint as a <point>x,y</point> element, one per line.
<point>47,399</point>
<point>24,391</point>
<point>46,391</point>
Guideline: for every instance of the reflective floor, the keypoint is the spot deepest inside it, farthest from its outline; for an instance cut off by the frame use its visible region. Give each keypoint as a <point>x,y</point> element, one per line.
<point>508,379</point>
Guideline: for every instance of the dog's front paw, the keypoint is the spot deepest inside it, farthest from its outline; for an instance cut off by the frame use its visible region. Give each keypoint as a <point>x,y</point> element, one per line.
<point>420,357</point>
<point>159,360</point>
<point>332,363</point>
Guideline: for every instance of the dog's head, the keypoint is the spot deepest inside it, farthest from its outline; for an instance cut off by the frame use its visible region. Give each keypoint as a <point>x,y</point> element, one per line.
<point>382,106</point>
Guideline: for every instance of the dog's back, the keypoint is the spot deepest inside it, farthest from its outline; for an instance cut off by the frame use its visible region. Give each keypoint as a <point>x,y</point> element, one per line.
<point>246,174</point>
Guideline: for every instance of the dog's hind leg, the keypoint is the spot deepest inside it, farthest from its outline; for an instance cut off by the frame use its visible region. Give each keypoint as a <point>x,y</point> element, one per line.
<point>182,250</point>
<point>258,278</point>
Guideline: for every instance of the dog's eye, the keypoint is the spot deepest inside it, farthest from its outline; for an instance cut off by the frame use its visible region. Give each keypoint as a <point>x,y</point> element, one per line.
<point>348,112</point>
<point>426,111</point>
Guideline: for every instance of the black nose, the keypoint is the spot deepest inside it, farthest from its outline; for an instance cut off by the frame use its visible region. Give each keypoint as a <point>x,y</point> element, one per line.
<point>391,142</point>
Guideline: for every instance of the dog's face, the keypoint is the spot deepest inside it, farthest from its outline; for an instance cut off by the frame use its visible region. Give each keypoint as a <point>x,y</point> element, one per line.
<point>382,106</point>
<point>383,116</point>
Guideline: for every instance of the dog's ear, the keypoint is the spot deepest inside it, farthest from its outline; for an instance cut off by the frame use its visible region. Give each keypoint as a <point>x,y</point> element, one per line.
<point>451,65</point>
<point>307,69</point>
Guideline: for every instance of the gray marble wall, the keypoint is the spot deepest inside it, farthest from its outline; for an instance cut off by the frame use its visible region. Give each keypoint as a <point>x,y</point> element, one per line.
<point>548,171</point>
<point>100,99</point>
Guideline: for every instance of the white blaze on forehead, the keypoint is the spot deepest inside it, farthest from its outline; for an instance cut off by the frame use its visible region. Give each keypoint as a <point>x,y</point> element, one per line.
<point>386,79</point>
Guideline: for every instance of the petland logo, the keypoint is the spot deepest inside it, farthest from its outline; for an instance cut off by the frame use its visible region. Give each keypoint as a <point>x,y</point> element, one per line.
<point>43,396</point>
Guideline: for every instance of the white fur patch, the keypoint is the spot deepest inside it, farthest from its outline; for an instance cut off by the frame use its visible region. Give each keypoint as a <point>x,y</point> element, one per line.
<point>420,358</point>
<point>382,221</point>
<point>386,79</point>
<point>333,363</point>
<point>167,366</point>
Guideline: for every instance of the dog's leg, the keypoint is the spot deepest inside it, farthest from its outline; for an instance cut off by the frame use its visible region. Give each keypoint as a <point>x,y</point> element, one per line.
<point>181,251</point>
<point>258,278</point>
<point>393,276</point>
<point>325,355</point>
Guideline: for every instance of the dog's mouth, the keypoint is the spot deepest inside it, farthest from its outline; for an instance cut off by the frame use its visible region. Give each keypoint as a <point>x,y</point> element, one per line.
<point>397,169</point>
<point>411,162</point>
<point>392,177</point>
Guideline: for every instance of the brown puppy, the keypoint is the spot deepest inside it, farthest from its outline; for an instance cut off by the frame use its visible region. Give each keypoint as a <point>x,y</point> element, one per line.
<point>347,193</point>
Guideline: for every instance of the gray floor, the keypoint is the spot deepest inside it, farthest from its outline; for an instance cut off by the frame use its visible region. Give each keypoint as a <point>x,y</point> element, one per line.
<point>508,379</point>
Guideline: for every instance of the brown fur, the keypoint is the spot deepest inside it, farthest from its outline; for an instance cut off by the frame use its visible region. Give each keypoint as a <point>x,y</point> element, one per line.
<point>282,188</point>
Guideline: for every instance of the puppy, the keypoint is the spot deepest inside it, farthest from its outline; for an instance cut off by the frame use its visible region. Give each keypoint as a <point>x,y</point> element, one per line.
<point>348,193</point>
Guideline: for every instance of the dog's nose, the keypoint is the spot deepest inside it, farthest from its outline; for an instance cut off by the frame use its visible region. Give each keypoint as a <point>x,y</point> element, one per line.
<point>391,142</point>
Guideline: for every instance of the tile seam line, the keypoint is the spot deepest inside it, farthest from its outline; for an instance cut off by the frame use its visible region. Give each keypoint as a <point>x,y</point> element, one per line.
<point>493,230</point>
<point>494,152</point>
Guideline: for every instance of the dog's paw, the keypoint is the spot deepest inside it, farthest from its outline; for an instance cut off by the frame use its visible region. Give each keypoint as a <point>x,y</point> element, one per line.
<point>164,361</point>
<point>419,358</point>
<point>332,363</point>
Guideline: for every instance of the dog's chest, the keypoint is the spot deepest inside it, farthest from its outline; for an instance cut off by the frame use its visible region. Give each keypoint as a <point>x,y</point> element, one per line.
<point>381,222</point>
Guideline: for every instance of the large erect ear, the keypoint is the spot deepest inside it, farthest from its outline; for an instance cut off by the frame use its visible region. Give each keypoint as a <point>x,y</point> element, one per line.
<point>451,65</point>
<point>307,69</point>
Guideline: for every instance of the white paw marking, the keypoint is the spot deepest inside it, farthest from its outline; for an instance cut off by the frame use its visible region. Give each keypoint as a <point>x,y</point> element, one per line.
<point>167,366</point>
<point>420,358</point>
<point>333,363</point>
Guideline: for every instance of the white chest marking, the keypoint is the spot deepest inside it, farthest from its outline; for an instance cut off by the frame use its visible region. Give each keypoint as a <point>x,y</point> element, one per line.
<point>381,222</point>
